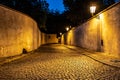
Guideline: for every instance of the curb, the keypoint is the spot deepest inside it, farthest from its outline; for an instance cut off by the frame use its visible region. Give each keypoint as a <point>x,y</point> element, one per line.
<point>10,59</point>
<point>5,60</point>
<point>93,57</point>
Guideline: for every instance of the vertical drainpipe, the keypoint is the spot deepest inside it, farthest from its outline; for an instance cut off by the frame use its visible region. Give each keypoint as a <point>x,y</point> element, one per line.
<point>100,39</point>
<point>100,31</point>
<point>99,34</point>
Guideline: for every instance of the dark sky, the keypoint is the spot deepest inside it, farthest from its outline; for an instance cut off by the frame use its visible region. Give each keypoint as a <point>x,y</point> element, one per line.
<point>56,5</point>
<point>116,0</point>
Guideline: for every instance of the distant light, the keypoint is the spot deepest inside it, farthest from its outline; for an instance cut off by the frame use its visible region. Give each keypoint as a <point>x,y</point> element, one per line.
<point>92,9</point>
<point>67,28</point>
<point>59,38</point>
<point>60,33</point>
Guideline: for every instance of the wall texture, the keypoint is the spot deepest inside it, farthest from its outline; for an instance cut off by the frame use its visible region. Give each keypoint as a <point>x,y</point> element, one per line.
<point>110,23</point>
<point>43,38</point>
<point>51,38</point>
<point>100,33</point>
<point>17,31</point>
<point>48,38</point>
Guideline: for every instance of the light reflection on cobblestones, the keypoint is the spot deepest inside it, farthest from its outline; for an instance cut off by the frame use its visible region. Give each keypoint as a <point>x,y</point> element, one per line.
<point>55,62</point>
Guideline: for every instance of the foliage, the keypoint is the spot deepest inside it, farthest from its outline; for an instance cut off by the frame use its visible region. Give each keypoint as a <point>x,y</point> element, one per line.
<point>76,12</point>
<point>55,22</point>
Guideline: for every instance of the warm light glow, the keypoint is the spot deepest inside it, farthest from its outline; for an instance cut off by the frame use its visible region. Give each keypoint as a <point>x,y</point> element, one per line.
<point>67,28</point>
<point>59,38</point>
<point>92,9</point>
<point>70,37</point>
<point>28,43</point>
<point>60,33</point>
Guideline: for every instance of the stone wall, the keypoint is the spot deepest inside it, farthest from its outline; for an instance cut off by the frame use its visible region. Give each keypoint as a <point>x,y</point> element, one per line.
<point>100,33</point>
<point>17,32</point>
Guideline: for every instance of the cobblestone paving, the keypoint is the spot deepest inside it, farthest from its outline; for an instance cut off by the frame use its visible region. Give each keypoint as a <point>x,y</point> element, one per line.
<point>56,62</point>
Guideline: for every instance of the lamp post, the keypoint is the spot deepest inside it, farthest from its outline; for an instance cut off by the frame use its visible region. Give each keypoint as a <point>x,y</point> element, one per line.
<point>67,28</point>
<point>92,9</point>
<point>99,29</point>
<point>60,33</point>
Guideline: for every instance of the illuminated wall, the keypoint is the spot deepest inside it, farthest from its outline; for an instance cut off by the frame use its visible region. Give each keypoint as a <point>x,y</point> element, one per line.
<point>51,38</point>
<point>43,38</point>
<point>110,22</point>
<point>17,31</point>
<point>62,39</point>
<point>100,33</point>
<point>48,38</point>
<point>85,35</point>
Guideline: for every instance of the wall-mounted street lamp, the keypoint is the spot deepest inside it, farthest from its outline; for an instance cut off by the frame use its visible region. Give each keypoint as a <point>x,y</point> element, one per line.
<point>60,33</point>
<point>67,28</point>
<point>92,9</point>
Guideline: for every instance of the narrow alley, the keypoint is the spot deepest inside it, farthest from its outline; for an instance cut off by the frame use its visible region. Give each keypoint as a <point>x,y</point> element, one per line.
<point>57,62</point>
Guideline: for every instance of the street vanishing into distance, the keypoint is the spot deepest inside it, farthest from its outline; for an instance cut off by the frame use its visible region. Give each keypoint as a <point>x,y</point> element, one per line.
<point>57,62</point>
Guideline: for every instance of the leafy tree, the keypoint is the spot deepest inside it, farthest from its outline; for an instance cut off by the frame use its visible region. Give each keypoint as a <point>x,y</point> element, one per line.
<point>55,22</point>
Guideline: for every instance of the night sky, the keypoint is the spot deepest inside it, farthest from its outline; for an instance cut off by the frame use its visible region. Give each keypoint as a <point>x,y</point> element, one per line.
<point>56,5</point>
<point>116,0</point>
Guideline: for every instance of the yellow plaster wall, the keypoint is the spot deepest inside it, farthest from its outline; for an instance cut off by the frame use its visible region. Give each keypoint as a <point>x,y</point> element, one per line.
<point>110,22</point>
<point>51,38</point>
<point>48,38</point>
<point>84,35</point>
<point>17,31</point>
<point>104,26</point>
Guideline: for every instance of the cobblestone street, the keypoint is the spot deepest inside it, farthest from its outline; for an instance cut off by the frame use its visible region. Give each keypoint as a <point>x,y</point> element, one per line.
<point>57,62</point>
